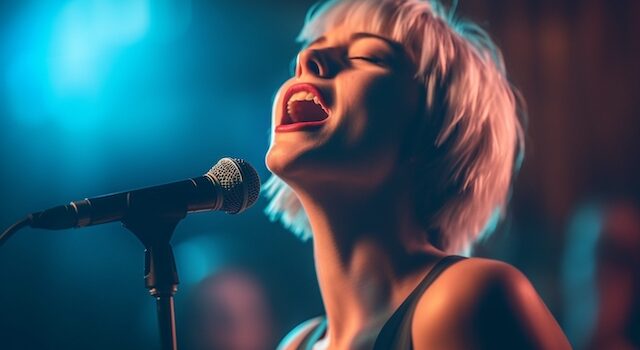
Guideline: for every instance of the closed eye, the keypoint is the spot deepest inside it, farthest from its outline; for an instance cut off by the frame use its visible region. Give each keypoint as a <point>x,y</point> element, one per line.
<point>366,58</point>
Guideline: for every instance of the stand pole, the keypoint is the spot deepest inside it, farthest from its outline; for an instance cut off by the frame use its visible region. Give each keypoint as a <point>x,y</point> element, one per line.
<point>167,322</point>
<point>161,276</point>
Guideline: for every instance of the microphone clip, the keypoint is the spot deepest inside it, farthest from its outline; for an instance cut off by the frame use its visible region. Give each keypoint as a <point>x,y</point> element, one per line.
<point>160,273</point>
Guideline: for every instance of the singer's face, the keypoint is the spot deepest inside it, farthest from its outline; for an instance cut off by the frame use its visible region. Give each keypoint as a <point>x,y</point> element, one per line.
<point>346,113</point>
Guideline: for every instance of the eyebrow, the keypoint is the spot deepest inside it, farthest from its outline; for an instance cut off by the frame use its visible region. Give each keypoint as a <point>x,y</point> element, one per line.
<point>396,46</point>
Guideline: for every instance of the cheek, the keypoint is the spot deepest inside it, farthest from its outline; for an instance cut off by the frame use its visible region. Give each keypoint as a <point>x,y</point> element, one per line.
<point>384,109</point>
<point>375,124</point>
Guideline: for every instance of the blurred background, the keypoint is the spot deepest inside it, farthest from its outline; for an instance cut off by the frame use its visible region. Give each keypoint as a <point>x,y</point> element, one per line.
<point>99,96</point>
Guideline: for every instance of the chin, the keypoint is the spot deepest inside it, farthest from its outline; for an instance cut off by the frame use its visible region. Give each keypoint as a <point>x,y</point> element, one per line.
<point>274,162</point>
<point>296,166</point>
<point>282,161</point>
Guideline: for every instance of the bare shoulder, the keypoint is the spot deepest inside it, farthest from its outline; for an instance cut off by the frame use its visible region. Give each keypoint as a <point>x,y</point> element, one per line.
<point>481,303</point>
<point>293,339</point>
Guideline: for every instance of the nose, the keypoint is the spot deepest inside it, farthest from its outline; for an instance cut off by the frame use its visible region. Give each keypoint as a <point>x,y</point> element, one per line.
<point>317,63</point>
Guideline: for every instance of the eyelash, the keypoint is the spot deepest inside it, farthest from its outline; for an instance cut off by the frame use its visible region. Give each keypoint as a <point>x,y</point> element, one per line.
<point>373,60</point>
<point>366,58</point>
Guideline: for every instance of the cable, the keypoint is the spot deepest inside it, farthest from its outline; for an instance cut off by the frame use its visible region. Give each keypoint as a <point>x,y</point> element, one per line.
<point>13,228</point>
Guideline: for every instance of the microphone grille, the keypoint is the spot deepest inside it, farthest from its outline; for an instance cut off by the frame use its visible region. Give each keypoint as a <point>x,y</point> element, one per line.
<point>239,183</point>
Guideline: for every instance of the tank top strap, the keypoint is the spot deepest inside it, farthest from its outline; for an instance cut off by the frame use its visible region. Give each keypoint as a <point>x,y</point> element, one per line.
<point>396,332</point>
<point>313,335</point>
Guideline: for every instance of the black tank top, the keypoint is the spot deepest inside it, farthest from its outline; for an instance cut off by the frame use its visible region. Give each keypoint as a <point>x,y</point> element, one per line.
<point>396,332</point>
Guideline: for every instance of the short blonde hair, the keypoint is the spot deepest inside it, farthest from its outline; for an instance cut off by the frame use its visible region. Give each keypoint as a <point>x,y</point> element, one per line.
<point>470,142</point>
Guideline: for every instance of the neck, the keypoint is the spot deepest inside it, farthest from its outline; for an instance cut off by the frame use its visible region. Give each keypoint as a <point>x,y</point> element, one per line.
<point>369,254</point>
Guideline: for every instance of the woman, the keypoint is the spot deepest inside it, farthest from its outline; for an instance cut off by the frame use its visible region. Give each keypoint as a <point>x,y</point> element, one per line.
<point>393,146</point>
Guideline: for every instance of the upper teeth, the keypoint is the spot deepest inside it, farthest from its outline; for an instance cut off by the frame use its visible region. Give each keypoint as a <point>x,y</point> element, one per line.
<point>303,96</point>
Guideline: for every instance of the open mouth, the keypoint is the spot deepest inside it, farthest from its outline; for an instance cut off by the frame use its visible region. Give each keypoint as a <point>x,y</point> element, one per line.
<point>303,106</point>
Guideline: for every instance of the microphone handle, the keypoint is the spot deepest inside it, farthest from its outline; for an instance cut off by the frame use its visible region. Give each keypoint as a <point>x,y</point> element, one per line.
<point>172,200</point>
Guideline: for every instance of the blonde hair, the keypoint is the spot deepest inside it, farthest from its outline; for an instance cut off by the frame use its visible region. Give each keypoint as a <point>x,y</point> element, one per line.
<point>470,141</point>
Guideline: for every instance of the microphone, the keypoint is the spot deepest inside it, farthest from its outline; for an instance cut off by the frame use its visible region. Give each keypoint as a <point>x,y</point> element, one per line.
<point>232,185</point>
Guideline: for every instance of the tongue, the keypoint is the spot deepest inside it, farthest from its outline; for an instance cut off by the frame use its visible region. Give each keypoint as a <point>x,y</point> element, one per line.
<point>306,111</point>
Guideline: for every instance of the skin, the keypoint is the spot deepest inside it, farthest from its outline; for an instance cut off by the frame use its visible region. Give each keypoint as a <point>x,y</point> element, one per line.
<point>353,176</point>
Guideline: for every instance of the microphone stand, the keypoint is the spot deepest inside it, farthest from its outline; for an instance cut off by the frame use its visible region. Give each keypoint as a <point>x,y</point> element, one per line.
<point>160,274</point>
<point>152,219</point>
